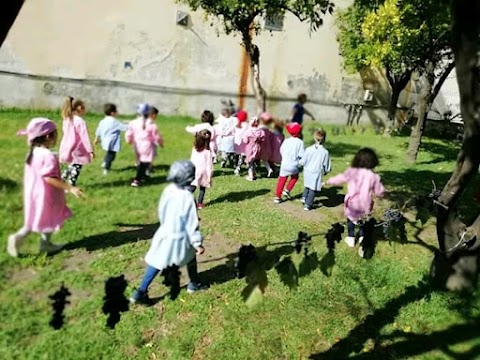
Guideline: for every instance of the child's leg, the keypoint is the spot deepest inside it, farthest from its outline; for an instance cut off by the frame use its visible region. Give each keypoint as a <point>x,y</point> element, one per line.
<point>280,186</point>
<point>71,174</point>
<point>224,159</point>
<point>292,182</point>
<point>192,271</point>
<point>239,164</point>
<point>201,194</point>
<point>141,170</point>
<point>310,198</point>
<point>350,228</point>
<point>46,246</point>
<point>108,160</point>
<point>268,167</point>
<point>251,170</point>
<point>15,241</point>
<point>150,274</point>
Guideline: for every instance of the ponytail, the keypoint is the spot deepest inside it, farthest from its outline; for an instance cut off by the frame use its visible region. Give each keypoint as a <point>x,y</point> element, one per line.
<point>144,124</point>
<point>30,155</point>
<point>67,108</point>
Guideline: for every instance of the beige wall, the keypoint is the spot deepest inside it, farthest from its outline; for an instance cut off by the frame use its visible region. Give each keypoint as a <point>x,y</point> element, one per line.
<point>182,70</point>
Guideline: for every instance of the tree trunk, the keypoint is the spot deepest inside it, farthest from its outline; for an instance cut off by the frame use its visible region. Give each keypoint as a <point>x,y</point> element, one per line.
<point>8,14</point>
<point>425,103</point>
<point>397,83</point>
<point>456,265</point>
<point>253,53</point>
<point>392,109</point>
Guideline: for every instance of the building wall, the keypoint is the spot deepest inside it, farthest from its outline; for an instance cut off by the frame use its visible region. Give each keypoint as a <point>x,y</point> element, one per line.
<point>80,48</point>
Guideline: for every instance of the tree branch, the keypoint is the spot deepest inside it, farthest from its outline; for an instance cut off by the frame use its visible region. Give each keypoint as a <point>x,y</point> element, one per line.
<point>442,79</point>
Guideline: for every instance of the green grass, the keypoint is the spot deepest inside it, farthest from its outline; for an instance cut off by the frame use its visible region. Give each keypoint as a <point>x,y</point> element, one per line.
<point>379,308</point>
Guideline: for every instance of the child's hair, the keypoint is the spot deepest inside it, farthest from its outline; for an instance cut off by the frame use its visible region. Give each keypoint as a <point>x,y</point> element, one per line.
<point>153,111</point>
<point>38,141</point>
<point>202,140</point>
<point>226,112</point>
<point>302,97</point>
<point>109,109</point>
<point>207,117</point>
<point>70,106</point>
<point>278,124</point>
<point>266,119</point>
<point>365,158</point>
<point>320,136</point>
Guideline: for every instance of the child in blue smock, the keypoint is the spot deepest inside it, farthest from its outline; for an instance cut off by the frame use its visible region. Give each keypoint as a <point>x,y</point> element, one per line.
<point>178,239</point>
<point>108,131</point>
<point>316,163</point>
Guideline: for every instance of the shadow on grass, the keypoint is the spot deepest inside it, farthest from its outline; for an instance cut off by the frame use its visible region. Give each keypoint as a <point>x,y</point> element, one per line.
<point>133,169</point>
<point>8,185</point>
<point>115,238</point>
<point>238,196</point>
<point>154,180</point>
<point>400,344</point>
<point>443,152</point>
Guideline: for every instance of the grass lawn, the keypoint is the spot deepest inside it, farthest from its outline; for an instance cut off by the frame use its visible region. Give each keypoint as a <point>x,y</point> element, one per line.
<point>381,308</point>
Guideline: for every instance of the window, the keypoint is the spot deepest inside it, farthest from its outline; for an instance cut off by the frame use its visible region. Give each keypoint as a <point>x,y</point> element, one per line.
<point>274,22</point>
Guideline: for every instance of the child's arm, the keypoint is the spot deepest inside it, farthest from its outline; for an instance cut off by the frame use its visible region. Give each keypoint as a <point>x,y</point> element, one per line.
<point>193,227</point>
<point>129,135</point>
<point>308,113</point>
<point>85,139</point>
<point>338,180</point>
<point>59,184</point>
<point>191,130</point>
<point>327,164</point>
<point>378,188</point>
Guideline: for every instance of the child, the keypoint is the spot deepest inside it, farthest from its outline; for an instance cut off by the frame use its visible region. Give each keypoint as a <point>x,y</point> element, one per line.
<point>206,124</point>
<point>226,127</point>
<point>277,141</point>
<point>291,152</point>
<point>363,184</point>
<point>202,159</point>
<point>299,110</point>
<point>143,135</point>
<point>253,138</point>
<point>316,163</point>
<point>75,147</point>
<point>266,148</point>
<point>45,209</point>
<point>239,144</point>
<point>152,118</point>
<point>108,131</point>
<point>178,240</point>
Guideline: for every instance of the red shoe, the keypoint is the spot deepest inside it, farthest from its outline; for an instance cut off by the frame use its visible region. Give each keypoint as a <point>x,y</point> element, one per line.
<point>200,206</point>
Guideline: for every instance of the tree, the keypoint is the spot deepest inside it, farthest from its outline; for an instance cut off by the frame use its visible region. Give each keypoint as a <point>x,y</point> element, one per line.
<point>456,266</point>
<point>401,36</point>
<point>10,10</point>
<point>241,17</point>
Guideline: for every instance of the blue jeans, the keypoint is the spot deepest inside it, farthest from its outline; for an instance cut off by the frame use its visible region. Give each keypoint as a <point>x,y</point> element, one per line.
<point>309,197</point>
<point>151,273</point>
<point>351,229</point>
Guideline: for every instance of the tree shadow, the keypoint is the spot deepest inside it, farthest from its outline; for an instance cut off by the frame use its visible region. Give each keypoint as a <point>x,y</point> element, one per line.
<point>239,196</point>
<point>115,238</point>
<point>333,198</point>
<point>339,149</point>
<point>8,184</point>
<point>154,180</point>
<point>443,152</point>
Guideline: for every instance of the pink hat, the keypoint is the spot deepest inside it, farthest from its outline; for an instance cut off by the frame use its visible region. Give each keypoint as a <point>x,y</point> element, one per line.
<point>294,129</point>
<point>38,127</point>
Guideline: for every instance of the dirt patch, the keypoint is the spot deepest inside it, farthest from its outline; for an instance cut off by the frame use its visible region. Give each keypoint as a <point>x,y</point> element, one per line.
<point>23,275</point>
<point>295,209</point>
<point>78,261</point>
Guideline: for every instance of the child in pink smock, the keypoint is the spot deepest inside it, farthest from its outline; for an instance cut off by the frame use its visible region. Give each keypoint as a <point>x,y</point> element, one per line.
<point>253,138</point>
<point>206,124</point>
<point>202,159</point>
<point>363,184</point>
<point>239,144</point>
<point>152,118</point>
<point>277,141</point>
<point>45,209</point>
<point>143,135</point>
<point>75,148</point>
<point>266,148</point>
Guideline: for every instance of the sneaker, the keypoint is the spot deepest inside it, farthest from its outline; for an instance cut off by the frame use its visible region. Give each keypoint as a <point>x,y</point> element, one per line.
<point>140,297</point>
<point>103,165</point>
<point>306,208</point>
<point>237,172</point>
<point>105,172</point>
<point>223,164</point>
<point>302,200</point>
<point>361,252</point>
<point>135,183</point>
<point>12,246</point>
<point>277,200</point>
<point>360,239</point>
<point>350,240</point>
<point>286,193</point>
<point>48,248</point>
<point>270,172</point>
<point>200,206</point>
<point>194,287</point>
<point>250,178</point>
